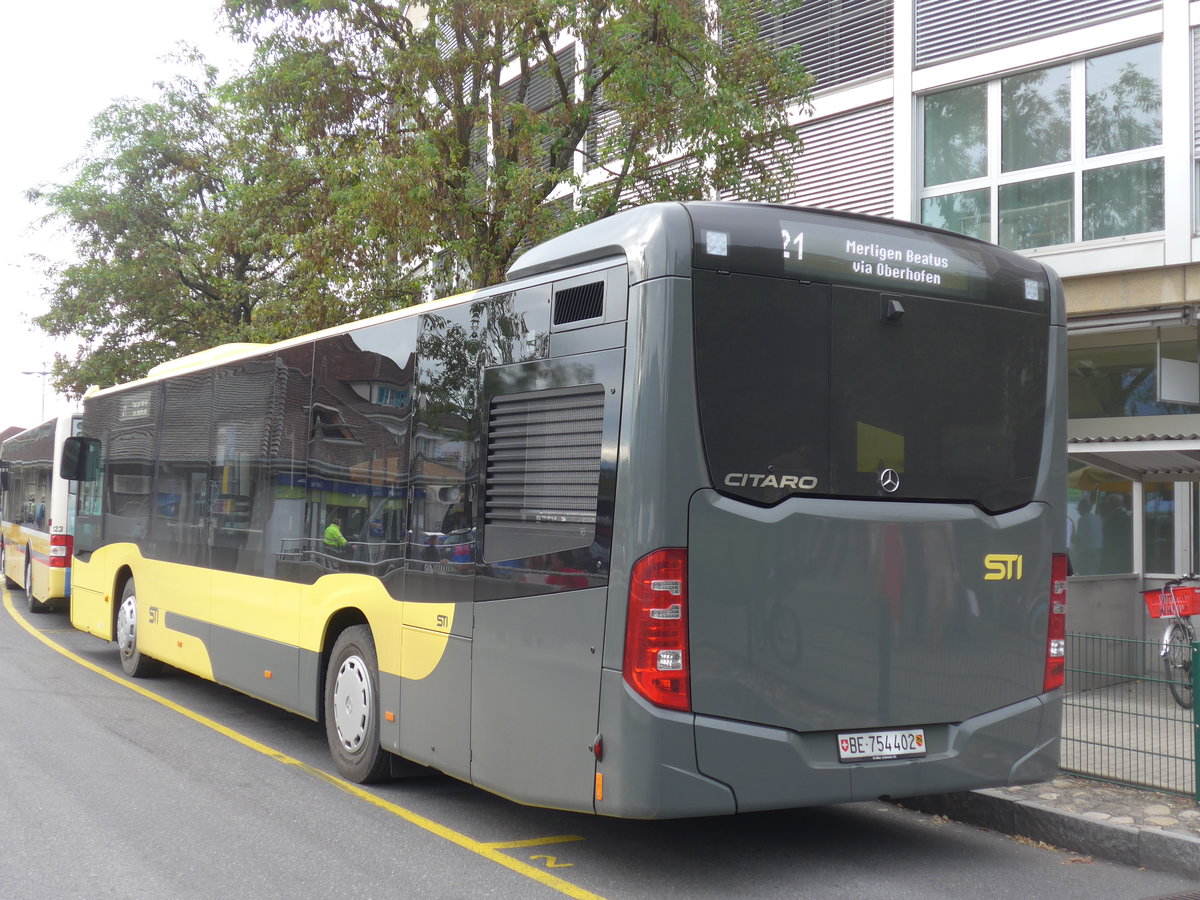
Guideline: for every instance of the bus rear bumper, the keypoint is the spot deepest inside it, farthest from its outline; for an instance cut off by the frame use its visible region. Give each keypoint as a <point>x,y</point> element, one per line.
<point>657,763</point>
<point>647,768</point>
<point>772,768</point>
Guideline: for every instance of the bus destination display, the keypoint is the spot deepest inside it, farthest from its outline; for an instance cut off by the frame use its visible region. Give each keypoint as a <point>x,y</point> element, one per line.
<point>889,262</point>
<point>869,253</point>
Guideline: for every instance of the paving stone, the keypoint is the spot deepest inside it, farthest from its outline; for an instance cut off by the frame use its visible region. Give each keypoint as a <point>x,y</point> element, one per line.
<point>1122,824</point>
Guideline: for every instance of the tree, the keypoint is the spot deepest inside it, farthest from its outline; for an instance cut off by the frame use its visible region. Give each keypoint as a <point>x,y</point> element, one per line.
<point>188,218</point>
<point>452,129</point>
<point>377,152</point>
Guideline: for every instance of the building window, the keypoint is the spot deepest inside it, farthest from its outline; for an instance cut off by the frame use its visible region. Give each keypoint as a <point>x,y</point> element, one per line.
<point>1035,119</point>
<point>1124,100</point>
<point>1126,199</point>
<point>1111,381</point>
<point>956,135</point>
<point>967,212</point>
<point>1069,153</point>
<point>1158,518</point>
<point>1101,524</point>
<point>1036,213</point>
<point>1117,376</point>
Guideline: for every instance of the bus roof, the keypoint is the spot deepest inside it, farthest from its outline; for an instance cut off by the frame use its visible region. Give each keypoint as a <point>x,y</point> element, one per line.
<point>56,422</point>
<point>654,240</point>
<point>233,352</point>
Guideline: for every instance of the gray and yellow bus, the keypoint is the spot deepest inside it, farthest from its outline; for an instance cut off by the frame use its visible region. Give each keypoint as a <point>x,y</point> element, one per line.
<point>709,508</point>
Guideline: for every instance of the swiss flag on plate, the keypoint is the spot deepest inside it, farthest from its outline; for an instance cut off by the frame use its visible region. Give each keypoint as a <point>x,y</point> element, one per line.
<point>845,745</point>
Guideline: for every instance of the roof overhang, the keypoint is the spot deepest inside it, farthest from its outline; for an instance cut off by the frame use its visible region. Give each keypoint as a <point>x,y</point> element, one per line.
<point>1140,448</point>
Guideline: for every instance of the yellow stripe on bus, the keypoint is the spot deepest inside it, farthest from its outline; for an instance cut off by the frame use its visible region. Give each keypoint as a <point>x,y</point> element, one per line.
<point>288,613</point>
<point>488,851</point>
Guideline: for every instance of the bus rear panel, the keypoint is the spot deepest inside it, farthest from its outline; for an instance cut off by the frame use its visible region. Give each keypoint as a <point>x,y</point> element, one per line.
<point>845,439</point>
<point>37,513</point>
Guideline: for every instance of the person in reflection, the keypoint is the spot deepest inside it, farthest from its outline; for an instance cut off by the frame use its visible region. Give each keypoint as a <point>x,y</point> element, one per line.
<point>335,541</point>
<point>429,552</point>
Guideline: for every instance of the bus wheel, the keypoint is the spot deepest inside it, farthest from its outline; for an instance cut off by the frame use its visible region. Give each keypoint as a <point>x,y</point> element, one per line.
<point>352,707</point>
<point>30,600</point>
<point>8,582</point>
<point>133,661</point>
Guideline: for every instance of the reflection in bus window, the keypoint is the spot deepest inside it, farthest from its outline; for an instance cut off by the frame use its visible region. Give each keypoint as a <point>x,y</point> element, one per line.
<point>358,448</point>
<point>445,468</point>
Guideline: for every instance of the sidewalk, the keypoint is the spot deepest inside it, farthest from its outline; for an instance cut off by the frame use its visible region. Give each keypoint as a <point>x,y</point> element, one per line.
<point>1120,824</point>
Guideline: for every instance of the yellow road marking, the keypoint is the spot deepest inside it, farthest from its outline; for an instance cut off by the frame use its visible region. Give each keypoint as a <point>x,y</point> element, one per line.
<point>553,863</point>
<point>487,851</point>
<point>535,842</point>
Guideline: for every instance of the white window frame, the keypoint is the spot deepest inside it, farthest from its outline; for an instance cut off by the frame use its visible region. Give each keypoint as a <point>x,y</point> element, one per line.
<point>1076,166</point>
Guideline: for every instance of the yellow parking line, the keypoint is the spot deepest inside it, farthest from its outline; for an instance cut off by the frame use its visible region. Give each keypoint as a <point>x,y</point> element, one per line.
<point>487,851</point>
<point>535,842</point>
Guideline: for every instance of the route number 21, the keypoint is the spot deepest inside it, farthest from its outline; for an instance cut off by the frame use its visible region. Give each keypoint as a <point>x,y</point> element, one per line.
<point>792,243</point>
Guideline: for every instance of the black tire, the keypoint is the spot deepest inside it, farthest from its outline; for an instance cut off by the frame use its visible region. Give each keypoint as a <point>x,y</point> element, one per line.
<point>135,663</point>
<point>8,582</point>
<point>1177,663</point>
<point>352,707</point>
<point>30,601</point>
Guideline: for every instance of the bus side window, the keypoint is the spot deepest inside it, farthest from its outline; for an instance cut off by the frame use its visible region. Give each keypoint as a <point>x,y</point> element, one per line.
<point>446,445</point>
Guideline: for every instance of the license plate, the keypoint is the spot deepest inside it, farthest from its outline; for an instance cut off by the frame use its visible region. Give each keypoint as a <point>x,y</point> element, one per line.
<point>901,744</point>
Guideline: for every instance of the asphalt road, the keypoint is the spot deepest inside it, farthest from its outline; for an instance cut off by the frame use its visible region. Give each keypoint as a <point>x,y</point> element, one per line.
<point>173,787</point>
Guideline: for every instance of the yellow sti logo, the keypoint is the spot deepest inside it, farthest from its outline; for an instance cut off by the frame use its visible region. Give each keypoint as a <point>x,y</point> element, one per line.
<point>1004,566</point>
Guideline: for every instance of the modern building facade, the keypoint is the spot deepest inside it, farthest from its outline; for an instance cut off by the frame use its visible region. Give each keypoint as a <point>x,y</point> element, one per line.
<point>1068,130</point>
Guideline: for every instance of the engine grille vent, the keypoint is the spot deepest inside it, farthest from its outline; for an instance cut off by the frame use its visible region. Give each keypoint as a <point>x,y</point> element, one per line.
<point>574,304</point>
<point>543,462</point>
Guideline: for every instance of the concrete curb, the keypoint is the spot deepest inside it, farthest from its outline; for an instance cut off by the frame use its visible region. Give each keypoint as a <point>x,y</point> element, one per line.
<point>1149,848</point>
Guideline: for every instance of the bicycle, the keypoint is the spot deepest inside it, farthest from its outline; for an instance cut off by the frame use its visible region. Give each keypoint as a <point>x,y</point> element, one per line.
<point>1177,600</point>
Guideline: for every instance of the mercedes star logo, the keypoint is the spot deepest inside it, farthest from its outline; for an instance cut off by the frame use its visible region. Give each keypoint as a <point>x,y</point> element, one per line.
<point>889,480</point>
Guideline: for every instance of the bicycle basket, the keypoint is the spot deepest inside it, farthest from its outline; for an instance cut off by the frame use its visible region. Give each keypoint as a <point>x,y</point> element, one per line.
<point>1159,603</point>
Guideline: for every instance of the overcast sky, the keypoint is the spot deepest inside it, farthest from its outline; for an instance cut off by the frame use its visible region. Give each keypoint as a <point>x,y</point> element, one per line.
<point>62,63</point>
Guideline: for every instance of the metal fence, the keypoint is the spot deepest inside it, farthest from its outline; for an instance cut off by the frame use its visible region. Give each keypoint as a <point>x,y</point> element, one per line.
<point>1120,720</point>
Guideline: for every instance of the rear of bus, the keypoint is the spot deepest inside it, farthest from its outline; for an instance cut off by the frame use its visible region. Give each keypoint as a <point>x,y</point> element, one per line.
<point>839,565</point>
<point>36,525</point>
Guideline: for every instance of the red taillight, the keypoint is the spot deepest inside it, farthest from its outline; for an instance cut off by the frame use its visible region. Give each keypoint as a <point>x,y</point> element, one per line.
<point>656,630</point>
<point>1056,631</point>
<point>61,546</point>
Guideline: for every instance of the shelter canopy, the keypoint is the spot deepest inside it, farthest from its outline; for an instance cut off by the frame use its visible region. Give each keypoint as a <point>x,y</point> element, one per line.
<point>1140,448</point>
